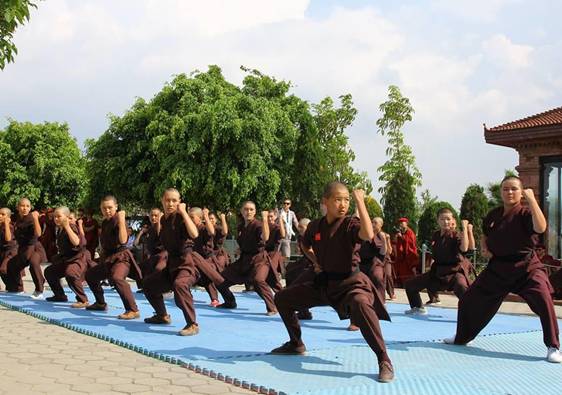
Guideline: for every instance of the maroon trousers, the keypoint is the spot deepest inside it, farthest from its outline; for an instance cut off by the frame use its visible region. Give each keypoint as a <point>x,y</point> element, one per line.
<point>5,258</point>
<point>305,295</point>
<point>456,282</point>
<point>73,271</point>
<point>256,270</point>
<point>389,279</point>
<point>180,281</point>
<point>484,297</point>
<point>116,273</point>
<point>376,274</point>
<point>27,256</point>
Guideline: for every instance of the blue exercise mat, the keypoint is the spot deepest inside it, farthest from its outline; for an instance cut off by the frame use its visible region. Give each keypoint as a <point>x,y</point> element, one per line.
<point>234,344</point>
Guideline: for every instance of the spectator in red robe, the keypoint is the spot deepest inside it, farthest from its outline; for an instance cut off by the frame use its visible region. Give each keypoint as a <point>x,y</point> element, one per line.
<point>407,258</point>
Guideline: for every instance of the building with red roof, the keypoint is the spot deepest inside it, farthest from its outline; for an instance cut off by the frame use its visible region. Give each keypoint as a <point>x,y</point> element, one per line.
<point>538,140</point>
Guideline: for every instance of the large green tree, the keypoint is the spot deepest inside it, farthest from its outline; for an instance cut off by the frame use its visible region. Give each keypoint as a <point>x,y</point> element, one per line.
<point>399,174</point>
<point>13,13</point>
<point>221,144</point>
<point>41,162</point>
<point>474,207</point>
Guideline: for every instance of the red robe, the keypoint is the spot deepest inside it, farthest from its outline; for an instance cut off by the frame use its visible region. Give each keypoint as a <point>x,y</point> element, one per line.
<point>406,255</point>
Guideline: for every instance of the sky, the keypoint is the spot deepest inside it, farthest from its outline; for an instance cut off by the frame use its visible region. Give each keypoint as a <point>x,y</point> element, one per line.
<point>461,63</point>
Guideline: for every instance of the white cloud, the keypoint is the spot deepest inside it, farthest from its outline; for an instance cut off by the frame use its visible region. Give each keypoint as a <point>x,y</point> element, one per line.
<point>505,54</point>
<point>79,61</point>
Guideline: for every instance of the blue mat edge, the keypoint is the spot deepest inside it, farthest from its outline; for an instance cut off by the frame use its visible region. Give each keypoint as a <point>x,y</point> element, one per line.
<point>189,365</point>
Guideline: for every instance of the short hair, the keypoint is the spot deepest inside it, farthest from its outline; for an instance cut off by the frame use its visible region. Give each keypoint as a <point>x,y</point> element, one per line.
<point>196,211</point>
<point>22,199</point>
<point>331,187</point>
<point>174,190</point>
<point>274,211</point>
<point>512,177</point>
<point>248,202</point>
<point>155,208</point>
<point>444,210</point>
<point>63,209</point>
<point>378,219</point>
<point>7,210</point>
<point>109,197</point>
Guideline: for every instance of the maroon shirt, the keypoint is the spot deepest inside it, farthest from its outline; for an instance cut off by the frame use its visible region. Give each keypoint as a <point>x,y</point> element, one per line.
<point>24,230</point>
<point>510,238</point>
<point>249,237</point>
<point>204,242</point>
<point>109,237</point>
<point>174,236</point>
<point>219,239</point>
<point>152,241</point>
<point>274,238</point>
<point>7,245</point>
<point>65,248</point>
<point>334,244</point>
<point>371,250</point>
<point>446,248</point>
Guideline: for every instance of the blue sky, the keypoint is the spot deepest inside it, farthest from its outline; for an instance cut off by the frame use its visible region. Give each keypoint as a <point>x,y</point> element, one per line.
<point>461,63</point>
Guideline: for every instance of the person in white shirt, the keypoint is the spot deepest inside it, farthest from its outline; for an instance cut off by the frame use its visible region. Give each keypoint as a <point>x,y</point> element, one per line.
<point>291,223</point>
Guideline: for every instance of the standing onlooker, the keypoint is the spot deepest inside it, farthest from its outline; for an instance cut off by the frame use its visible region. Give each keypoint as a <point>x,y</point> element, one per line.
<point>291,221</point>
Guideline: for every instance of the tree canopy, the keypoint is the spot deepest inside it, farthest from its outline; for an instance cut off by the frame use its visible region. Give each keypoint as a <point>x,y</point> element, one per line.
<point>12,14</point>
<point>220,144</point>
<point>399,174</point>
<point>41,162</point>
<point>474,207</point>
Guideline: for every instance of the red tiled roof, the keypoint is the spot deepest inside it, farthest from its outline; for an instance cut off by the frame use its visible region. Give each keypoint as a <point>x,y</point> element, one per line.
<point>547,118</point>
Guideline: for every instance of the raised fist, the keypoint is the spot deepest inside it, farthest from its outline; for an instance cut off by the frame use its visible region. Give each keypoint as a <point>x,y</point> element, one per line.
<point>205,212</point>
<point>464,224</point>
<point>35,214</point>
<point>529,194</point>
<point>182,208</point>
<point>264,215</point>
<point>121,215</point>
<point>358,195</point>
<point>64,222</point>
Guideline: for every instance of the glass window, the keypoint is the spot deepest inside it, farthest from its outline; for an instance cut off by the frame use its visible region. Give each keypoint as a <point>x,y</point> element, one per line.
<point>552,204</point>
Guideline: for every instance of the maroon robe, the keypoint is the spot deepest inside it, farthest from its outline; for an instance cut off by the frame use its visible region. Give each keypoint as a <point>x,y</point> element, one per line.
<point>514,267</point>
<point>253,265</point>
<point>221,254</point>
<point>340,284</point>
<point>372,262</point>
<point>92,235</point>
<point>48,238</point>
<point>71,262</point>
<point>449,272</point>
<point>154,255</point>
<point>182,269</point>
<point>8,251</point>
<point>116,264</point>
<point>407,257</point>
<point>29,254</point>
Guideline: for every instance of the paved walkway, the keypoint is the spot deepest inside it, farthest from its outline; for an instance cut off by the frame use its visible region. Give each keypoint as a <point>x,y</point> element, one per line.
<point>41,358</point>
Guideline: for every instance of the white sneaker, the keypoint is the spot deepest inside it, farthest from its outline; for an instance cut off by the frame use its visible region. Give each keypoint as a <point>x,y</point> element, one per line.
<point>554,355</point>
<point>168,295</point>
<point>37,295</point>
<point>449,340</point>
<point>416,311</point>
